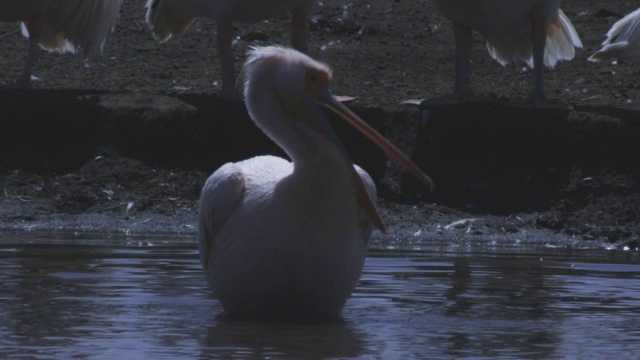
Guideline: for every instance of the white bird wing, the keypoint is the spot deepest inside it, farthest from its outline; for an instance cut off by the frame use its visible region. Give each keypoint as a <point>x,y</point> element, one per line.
<point>625,29</point>
<point>366,225</point>
<point>561,42</point>
<point>623,40</point>
<point>221,193</point>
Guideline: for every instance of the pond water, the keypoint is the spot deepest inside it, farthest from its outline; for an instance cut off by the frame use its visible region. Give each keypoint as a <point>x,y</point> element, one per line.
<point>63,298</point>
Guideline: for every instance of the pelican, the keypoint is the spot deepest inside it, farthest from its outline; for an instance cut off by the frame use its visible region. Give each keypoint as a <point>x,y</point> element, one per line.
<point>536,32</point>
<point>288,239</point>
<point>168,18</point>
<point>61,26</point>
<point>623,40</point>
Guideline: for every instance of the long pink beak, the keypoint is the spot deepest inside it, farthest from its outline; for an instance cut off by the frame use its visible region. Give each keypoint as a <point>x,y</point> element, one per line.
<point>383,143</point>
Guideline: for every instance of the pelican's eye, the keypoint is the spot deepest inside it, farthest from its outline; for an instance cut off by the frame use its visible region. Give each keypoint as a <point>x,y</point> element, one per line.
<point>311,78</point>
<point>316,82</point>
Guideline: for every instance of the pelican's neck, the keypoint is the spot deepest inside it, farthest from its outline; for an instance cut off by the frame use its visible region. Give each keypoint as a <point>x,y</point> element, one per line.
<point>315,157</point>
<point>323,176</point>
<point>320,158</point>
<point>304,146</point>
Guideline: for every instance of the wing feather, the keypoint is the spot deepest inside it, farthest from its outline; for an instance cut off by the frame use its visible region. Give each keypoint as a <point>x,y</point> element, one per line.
<point>220,195</point>
<point>72,25</point>
<point>623,40</point>
<point>366,225</point>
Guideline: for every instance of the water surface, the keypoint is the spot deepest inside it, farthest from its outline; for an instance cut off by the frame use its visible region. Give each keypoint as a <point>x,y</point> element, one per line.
<point>73,297</point>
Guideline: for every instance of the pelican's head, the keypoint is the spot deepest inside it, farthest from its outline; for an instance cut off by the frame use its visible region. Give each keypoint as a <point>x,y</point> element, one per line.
<point>283,89</point>
<point>291,75</point>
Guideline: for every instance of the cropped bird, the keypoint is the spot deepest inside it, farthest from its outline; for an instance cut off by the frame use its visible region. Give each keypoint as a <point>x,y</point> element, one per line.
<point>281,239</point>
<point>536,32</point>
<point>61,26</point>
<point>623,40</point>
<point>167,18</point>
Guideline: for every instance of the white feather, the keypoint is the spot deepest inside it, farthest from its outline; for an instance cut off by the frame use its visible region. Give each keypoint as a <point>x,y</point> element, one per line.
<point>623,40</point>
<point>64,25</point>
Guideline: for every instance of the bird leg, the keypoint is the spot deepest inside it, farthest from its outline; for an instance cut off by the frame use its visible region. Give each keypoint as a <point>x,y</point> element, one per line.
<point>538,43</point>
<point>24,81</point>
<point>463,39</point>
<point>300,26</point>
<point>223,38</point>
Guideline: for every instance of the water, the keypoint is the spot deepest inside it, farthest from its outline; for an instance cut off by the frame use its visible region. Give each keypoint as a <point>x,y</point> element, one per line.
<point>147,299</point>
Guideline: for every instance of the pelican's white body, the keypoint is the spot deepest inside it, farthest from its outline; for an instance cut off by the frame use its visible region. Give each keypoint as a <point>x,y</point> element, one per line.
<point>623,40</point>
<point>280,238</point>
<point>506,25</point>
<point>536,32</point>
<point>283,241</point>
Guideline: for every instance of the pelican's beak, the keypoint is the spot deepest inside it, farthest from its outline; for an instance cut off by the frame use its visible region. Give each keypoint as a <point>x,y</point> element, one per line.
<point>327,100</point>
<point>364,199</point>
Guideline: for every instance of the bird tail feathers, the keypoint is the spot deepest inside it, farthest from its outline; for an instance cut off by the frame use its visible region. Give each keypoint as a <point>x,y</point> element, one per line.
<point>72,25</point>
<point>620,38</point>
<point>562,40</point>
<point>50,40</point>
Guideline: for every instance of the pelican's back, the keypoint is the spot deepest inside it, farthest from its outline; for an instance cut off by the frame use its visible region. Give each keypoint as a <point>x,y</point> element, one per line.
<point>562,39</point>
<point>623,40</point>
<point>72,25</point>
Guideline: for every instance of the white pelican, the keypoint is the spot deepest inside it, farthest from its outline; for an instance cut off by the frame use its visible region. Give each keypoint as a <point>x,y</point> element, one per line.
<point>61,25</point>
<point>623,40</point>
<point>167,18</point>
<point>534,31</point>
<point>288,239</point>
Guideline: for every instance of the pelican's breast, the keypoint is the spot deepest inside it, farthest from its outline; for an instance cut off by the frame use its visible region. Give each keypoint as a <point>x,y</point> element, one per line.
<point>292,235</point>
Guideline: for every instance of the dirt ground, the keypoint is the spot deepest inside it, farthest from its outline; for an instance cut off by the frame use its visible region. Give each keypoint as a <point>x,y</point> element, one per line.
<point>122,143</point>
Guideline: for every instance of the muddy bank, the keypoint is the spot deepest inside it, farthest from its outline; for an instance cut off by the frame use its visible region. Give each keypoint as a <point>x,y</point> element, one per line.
<point>123,163</point>
<point>122,142</point>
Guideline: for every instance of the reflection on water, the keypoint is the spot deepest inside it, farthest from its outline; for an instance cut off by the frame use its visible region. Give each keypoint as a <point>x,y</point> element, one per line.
<point>148,299</point>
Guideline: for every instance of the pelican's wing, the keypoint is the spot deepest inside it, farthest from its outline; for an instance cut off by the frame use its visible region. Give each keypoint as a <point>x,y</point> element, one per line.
<point>562,40</point>
<point>78,24</point>
<point>624,29</point>
<point>221,193</point>
<point>623,40</point>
